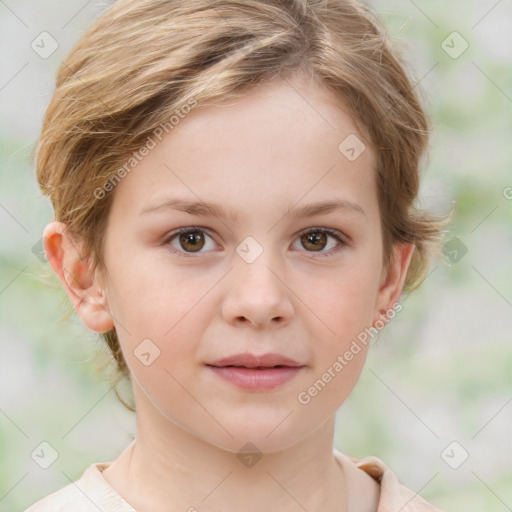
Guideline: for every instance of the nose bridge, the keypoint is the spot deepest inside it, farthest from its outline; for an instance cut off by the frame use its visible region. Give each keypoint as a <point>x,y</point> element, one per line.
<point>256,292</point>
<point>256,265</point>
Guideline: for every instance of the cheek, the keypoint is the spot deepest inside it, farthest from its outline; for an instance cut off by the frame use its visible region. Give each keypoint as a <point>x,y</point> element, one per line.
<point>163,363</point>
<point>344,307</point>
<point>342,301</point>
<point>156,296</point>
<point>163,314</point>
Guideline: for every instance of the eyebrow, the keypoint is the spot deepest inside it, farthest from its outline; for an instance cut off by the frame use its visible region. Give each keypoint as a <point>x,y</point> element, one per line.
<point>206,209</point>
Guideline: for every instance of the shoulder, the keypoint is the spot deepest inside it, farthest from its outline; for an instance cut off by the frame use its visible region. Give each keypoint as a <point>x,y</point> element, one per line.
<point>61,500</point>
<point>89,493</point>
<point>393,495</point>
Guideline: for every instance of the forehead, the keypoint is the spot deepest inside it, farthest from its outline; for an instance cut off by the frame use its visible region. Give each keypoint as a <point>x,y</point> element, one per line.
<point>298,109</point>
<point>276,143</point>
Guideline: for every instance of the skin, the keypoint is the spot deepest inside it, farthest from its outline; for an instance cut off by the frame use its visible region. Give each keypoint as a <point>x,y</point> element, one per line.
<point>274,148</point>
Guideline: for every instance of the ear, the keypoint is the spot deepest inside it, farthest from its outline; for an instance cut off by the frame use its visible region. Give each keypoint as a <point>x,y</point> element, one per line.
<point>79,280</point>
<point>392,280</point>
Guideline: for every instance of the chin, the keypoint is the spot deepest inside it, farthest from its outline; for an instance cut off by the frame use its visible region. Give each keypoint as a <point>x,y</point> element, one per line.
<point>244,442</point>
<point>268,431</point>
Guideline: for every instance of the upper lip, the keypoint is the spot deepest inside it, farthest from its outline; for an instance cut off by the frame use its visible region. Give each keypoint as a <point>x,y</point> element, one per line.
<point>254,361</point>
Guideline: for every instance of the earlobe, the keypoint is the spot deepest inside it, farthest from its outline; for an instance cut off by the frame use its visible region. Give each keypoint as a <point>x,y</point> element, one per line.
<point>78,279</point>
<point>392,281</point>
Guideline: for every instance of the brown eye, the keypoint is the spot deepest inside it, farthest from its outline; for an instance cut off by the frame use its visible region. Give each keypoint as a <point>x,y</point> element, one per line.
<point>192,242</point>
<point>187,241</point>
<point>314,240</point>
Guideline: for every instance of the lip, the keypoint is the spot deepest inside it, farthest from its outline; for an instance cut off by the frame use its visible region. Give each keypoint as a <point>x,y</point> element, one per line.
<point>254,379</point>
<point>253,361</point>
<point>256,373</point>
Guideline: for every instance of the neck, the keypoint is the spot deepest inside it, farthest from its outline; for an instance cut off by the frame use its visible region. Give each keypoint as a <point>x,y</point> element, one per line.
<point>168,468</point>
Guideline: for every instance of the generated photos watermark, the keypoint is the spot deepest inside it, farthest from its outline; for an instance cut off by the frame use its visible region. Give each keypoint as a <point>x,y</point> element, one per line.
<point>305,397</point>
<point>151,142</point>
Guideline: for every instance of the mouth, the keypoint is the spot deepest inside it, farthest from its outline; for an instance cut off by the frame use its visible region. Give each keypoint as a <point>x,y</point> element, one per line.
<point>256,373</point>
<point>251,367</point>
<point>264,361</point>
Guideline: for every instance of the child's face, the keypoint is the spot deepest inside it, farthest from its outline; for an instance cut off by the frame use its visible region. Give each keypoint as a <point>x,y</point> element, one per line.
<point>277,148</point>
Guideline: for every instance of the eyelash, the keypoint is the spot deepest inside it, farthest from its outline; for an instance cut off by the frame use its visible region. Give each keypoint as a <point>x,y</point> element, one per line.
<point>194,229</point>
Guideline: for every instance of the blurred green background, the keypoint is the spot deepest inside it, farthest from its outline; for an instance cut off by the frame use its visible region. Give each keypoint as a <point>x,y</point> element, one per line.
<point>439,374</point>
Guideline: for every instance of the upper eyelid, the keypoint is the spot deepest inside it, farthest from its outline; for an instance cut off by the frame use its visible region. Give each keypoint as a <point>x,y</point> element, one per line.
<point>208,231</point>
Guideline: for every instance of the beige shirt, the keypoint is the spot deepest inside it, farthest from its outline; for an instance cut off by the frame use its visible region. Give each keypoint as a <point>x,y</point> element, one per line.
<point>92,492</point>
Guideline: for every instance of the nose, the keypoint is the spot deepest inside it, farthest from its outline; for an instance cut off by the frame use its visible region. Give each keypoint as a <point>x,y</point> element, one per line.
<point>257,295</point>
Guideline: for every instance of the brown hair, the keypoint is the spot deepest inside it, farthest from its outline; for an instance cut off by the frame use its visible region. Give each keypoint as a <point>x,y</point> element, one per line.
<point>143,61</point>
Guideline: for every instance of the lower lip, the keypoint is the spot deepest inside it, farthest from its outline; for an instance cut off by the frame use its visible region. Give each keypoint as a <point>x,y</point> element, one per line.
<point>254,379</point>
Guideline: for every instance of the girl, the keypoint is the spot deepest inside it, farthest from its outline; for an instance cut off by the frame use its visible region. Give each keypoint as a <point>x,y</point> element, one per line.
<point>233,184</point>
